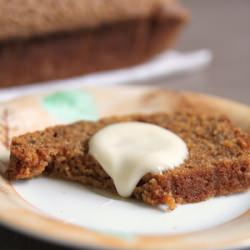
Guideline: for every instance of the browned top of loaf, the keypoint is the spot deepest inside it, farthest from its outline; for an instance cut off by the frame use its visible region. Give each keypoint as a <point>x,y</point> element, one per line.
<point>210,139</point>
<point>28,18</point>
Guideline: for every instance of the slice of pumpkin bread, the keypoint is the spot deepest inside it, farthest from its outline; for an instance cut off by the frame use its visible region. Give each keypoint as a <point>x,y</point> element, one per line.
<point>218,161</point>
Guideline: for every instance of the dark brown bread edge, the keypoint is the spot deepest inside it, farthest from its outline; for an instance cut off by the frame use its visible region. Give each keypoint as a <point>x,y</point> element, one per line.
<point>176,186</point>
<point>110,46</point>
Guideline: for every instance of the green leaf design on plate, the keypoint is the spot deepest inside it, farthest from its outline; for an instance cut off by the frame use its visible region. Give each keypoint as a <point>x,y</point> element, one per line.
<point>71,105</point>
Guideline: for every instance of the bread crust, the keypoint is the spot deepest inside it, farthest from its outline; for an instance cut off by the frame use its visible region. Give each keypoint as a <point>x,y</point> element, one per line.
<point>38,18</point>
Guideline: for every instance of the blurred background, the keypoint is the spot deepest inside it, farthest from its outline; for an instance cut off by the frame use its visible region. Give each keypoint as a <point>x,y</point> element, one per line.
<point>223,27</point>
<point>211,46</point>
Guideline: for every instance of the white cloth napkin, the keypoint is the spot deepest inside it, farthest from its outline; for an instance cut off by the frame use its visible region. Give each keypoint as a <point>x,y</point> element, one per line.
<point>166,64</point>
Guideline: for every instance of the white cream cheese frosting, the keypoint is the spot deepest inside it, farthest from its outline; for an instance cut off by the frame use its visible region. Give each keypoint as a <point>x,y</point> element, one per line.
<point>129,150</point>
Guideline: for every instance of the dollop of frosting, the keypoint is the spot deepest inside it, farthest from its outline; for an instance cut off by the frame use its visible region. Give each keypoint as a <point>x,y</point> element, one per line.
<point>129,150</point>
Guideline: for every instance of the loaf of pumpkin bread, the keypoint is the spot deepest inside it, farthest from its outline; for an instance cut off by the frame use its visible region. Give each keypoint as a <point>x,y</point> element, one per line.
<point>44,40</point>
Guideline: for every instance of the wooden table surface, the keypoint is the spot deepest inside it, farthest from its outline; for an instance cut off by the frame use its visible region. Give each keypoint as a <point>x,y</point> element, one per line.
<point>223,26</point>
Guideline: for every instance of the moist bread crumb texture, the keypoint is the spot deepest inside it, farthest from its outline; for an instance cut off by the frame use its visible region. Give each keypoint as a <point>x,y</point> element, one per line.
<point>218,161</point>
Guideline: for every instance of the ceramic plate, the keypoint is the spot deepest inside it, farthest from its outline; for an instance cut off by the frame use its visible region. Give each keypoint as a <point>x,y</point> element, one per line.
<point>74,215</point>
